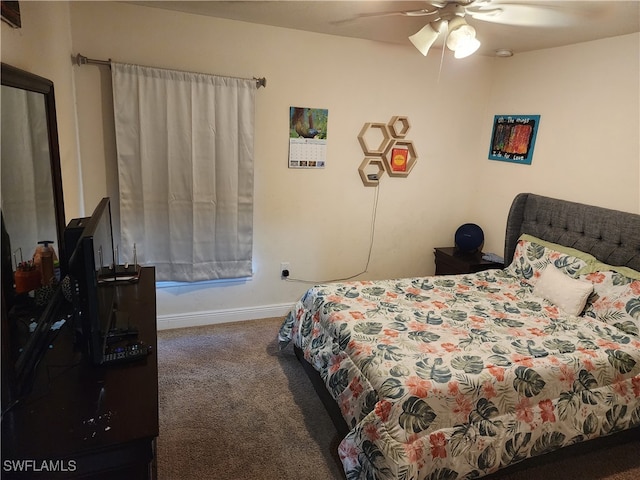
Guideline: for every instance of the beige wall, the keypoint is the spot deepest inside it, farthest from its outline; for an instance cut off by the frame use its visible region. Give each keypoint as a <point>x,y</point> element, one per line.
<point>320,221</point>
<point>43,46</point>
<point>588,144</point>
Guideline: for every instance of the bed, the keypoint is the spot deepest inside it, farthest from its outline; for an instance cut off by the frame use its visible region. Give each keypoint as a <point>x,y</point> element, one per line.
<point>460,376</point>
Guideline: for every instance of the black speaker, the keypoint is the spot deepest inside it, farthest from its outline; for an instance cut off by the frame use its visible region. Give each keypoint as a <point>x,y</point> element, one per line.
<point>469,237</point>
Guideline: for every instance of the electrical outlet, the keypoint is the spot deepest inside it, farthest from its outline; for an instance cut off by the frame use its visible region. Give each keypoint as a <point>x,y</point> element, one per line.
<point>285,270</point>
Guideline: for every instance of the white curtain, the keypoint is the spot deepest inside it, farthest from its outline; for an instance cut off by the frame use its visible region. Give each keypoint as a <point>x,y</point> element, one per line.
<point>185,168</point>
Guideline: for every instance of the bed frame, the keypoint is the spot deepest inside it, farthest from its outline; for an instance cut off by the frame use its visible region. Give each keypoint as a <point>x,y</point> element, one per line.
<point>611,236</point>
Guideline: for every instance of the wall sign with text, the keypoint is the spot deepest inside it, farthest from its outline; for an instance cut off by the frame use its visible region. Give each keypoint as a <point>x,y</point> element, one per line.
<point>513,138</point>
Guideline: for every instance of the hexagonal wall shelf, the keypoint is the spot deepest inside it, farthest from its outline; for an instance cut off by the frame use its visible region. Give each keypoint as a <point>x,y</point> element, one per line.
<point>386,136</point>
<point>399,126</point>
<point>411,158</point>
<point>371,177</point>
<point>367,135</point>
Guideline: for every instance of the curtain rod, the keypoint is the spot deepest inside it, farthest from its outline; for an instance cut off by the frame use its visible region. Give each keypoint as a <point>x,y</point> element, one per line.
<point>82,60</point>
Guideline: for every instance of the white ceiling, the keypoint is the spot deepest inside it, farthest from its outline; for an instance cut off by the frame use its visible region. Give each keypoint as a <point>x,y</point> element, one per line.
<point>541,23</point>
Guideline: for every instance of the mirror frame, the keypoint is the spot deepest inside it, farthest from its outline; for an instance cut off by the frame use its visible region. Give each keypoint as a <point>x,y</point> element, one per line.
<point>17,78</point>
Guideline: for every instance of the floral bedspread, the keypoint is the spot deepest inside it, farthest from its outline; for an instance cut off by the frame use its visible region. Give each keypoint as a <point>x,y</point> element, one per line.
<point>458,376</point>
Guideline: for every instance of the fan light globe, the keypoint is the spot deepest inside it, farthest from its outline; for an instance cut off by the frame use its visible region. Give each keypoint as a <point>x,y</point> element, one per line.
<point>424,38</point>
<point>467,48</point>
<point>462,38</point>
<point>459,35</point>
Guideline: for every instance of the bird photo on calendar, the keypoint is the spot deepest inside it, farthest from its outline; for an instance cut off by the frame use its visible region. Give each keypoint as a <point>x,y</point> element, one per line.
<point>307,137</point>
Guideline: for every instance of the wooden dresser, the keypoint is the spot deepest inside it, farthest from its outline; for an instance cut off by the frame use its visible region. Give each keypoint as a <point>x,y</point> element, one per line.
<point>83,421</point>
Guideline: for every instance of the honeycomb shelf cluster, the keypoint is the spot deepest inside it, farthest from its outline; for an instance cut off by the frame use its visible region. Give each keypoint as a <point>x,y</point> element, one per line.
<point>378,140</point>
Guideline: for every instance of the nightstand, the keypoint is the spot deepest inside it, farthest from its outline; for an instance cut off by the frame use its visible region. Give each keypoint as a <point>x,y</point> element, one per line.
<point>450,261</point>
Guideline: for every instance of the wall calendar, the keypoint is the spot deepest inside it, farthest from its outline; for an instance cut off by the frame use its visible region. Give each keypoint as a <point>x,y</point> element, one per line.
<point>307,137</point>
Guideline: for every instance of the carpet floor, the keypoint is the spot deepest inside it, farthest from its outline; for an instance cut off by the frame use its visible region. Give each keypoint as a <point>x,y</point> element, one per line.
<point>234,407</point>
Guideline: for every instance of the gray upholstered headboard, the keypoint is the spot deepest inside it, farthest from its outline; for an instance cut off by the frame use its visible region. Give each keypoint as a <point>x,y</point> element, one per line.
<point>609,235</point>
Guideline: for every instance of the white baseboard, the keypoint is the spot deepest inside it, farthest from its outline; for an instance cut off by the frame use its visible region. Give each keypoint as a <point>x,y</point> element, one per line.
<point>212,317</point>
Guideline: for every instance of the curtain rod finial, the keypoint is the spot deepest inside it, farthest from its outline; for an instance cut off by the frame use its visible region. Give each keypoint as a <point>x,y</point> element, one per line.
<point>260,82</point>
<point>81,60</point>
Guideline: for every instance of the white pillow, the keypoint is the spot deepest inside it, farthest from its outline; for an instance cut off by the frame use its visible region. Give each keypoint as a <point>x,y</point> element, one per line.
<point>563,291</point>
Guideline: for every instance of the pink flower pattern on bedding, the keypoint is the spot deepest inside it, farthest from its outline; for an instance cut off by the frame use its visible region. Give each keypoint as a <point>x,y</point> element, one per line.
<point>458,376</point>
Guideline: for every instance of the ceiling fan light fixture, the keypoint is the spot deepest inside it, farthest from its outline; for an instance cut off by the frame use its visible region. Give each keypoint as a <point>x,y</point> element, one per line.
<point>462,38</point>
<point>424,38</point>
<point>466,48</point>
<point>459,33</point>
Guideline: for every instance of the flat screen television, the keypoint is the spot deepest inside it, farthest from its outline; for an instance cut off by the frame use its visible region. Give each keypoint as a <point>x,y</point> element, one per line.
<point>91,264</point>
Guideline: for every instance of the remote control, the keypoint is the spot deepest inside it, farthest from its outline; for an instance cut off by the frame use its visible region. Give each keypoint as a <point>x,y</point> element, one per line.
<point>126,353</point>
<point>493,257</point>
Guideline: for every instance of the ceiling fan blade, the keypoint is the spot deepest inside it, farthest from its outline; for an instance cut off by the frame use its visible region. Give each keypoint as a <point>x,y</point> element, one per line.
<point>419,13</point>
<point>532,14</point>
<point>365,15</point>
<point>405,13</point>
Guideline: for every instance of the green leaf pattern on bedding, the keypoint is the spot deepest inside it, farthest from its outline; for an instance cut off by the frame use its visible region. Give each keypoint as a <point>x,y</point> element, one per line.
<point>457,376</point>
<point>615,300</point>
<point>532,256</point>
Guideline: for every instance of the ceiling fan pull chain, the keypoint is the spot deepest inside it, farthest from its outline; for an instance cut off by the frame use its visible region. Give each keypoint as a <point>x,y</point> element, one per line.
<point>446,28</point>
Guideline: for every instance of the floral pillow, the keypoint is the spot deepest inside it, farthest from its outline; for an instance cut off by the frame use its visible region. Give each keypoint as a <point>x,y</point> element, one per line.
<point>532,255</point>
<point>615,300</point>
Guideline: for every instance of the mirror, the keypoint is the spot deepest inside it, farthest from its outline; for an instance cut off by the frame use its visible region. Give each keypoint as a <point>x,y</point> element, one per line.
<point>27,192</point>
<point>31,197</point>
<point>31,193</point>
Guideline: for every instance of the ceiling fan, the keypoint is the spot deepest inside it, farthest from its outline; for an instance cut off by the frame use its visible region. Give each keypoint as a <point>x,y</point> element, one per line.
<point>448,18</point>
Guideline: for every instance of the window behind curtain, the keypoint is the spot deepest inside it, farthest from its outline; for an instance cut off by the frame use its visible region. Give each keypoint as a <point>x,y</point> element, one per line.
<point>185,171</point>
